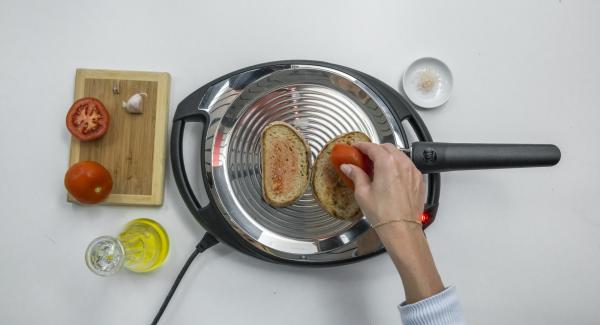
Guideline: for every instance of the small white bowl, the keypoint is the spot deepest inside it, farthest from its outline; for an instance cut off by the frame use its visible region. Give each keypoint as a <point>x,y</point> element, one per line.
<point>427,82</point>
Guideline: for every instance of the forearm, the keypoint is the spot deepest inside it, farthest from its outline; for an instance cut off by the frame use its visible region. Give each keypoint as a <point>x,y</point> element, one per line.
<point>408,248</point>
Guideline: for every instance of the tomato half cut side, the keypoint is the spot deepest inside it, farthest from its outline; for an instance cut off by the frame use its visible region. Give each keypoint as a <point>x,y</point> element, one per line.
<point>342,153</point>
<point>88,119</point>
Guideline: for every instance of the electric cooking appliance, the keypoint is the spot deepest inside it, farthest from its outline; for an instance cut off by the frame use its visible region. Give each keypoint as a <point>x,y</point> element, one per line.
<point>322,100</point>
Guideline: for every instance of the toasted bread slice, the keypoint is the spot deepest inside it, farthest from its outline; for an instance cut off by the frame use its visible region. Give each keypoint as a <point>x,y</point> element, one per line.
<point>330,191</point>
<point>285,164</point>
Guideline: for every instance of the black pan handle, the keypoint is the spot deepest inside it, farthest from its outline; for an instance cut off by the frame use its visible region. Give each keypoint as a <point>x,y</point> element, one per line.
<point>179,173</point>
<point>188,111</point>
<point>435,157</point>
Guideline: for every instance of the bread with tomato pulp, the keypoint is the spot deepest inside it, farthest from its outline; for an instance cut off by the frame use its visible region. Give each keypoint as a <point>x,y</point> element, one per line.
<point>335,196</point>
<point>285,164</point>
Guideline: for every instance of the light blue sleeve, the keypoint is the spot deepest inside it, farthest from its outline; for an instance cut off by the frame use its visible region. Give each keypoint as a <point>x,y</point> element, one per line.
<point>440,309</point>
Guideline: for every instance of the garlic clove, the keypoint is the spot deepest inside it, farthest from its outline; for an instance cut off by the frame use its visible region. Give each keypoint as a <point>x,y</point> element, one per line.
<point>134,103</point>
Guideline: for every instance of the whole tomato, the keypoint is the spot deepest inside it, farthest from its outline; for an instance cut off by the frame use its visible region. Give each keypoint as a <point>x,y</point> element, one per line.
<point>88,182</point>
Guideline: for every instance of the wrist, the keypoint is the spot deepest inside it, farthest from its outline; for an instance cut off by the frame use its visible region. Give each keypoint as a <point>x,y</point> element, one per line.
<point>401,238</point>
<point>397,231</point>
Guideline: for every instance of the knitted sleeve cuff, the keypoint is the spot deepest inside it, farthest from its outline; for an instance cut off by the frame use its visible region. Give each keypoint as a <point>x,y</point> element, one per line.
<point>440,309</point>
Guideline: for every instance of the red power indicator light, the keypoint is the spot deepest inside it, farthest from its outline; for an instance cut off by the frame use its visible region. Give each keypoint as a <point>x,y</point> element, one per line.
<point>425,217</point>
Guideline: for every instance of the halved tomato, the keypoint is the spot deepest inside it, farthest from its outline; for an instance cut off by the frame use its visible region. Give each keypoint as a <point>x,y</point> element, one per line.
<point>342,153</point>
<point>88,119</point>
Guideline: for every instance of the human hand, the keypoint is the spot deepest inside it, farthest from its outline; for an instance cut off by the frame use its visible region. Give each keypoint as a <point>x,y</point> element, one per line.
<point>396,191</point>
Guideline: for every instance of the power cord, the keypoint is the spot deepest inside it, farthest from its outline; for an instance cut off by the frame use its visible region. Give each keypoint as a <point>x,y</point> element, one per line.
<point>207,242</point>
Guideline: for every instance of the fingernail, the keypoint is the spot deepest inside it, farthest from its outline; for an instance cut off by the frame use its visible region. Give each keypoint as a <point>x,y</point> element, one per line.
<point>346,169</point>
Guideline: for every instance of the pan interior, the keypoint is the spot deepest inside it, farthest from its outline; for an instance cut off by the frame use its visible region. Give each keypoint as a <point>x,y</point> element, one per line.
<point>320,114</point>
<point>321,104</point>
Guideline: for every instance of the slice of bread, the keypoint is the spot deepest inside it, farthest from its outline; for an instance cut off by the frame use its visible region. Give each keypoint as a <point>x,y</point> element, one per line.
<point>330,191</point>
<point>285,164</point>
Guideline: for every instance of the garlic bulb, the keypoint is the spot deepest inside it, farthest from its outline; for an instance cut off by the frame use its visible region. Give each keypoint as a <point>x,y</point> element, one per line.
<point>134,103</point>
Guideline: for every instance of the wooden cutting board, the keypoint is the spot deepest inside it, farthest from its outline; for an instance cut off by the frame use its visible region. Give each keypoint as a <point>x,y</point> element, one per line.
<point>134,147</point>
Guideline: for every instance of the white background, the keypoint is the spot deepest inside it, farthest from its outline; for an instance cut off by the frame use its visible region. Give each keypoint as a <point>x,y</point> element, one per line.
<point>522,246</point>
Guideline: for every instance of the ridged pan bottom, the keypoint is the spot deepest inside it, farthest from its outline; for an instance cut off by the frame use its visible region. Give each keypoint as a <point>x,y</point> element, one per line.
<point>320,114</point>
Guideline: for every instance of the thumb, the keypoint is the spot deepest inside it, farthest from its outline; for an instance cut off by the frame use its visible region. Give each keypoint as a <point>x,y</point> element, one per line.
<point>357,175</point>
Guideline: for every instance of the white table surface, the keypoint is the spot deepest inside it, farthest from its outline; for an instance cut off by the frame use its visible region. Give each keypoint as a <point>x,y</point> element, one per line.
<point>522,246</point>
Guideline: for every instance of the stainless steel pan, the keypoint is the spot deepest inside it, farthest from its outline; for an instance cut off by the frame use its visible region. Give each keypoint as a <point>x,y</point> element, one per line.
<point>321,100</point>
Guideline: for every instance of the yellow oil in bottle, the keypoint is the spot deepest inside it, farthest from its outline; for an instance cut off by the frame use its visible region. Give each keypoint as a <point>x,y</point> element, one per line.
<point>145,244</point>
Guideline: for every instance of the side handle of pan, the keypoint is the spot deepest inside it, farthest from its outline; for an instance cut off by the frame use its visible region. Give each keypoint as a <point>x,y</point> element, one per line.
<point>187,111</point>
<point>435,157</point>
